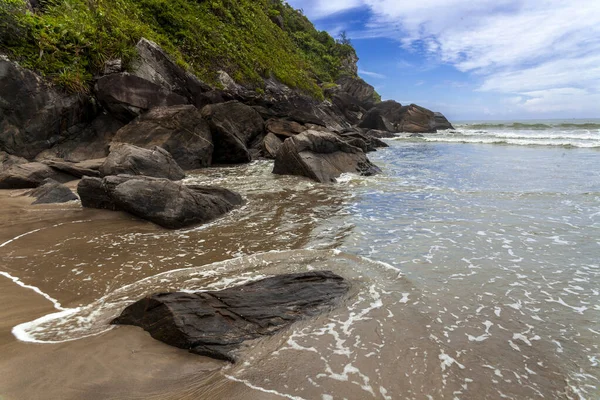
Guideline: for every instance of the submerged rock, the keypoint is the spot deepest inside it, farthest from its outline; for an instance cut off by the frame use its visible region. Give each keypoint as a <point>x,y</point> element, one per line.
<point>216,323</point>
<point>127,159</point>
<point>51,192</point>
<point>169,204</point>
<point>321,156</point>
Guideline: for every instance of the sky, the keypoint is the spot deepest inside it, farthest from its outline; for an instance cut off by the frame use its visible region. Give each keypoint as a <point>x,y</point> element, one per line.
<point>475,59</point>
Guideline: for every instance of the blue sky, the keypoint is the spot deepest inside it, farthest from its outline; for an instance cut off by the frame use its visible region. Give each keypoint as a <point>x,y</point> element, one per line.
<point>475,59</point>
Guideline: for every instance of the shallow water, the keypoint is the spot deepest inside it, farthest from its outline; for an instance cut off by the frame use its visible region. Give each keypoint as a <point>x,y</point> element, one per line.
<point>474,272</point>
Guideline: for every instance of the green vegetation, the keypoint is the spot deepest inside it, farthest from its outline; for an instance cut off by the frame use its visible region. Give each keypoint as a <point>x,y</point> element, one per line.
<point>69,40</point>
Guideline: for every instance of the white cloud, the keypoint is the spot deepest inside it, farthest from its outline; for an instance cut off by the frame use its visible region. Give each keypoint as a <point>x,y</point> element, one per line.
<point>547,51</point>
<point>371,74</point>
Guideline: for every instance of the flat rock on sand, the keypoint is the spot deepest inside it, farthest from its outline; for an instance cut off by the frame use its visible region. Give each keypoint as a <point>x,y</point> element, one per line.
<point>216,323</point>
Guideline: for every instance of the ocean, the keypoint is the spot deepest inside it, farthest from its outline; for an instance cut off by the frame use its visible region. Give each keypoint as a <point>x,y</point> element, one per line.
<point>474,260</point>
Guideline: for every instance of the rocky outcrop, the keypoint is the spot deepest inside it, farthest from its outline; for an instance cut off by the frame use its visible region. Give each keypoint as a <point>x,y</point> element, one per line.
<point>30,175</point>
<point>79,169</point>
<point>180,130</point>
<point>417,120</point>
<point>154,65</point>
<point>284,128</point>
<point>364,141</point>
<point>374,119</point>
<point>51,192</point>
<point>215,324</point>
<point>92,142</point>
<point>33,115</point>
<point>126,159</point>
<point>7,160</point>
<point>321,156</point>
<point>127,96</point>
<point>441,122</point>
<point>166,203</point>
<point>235,127</point>
<point>358,89</point>
<point>271,145</point>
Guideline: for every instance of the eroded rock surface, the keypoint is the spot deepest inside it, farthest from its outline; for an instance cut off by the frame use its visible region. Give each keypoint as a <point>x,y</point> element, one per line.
<point>216,323</point>
<point>169,204</point>
<point>321,156</point>
<point>127,159</point>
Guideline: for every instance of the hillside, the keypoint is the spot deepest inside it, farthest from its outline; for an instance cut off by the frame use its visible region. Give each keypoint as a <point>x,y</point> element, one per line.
<point>68,41</point>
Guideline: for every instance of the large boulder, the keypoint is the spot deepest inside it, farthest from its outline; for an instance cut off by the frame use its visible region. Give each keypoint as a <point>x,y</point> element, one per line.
<point>441,122</point>
<point>166,203</point>
<point>8,160</point>
<point>271,145</point>
<point>284,128</point>
<point>358,89</point>
<point>235,127</point>
<point>180,130</point>
<point>127,159</point>
<point>321,156</point>
<point>30,175</point>
<point>51,192</point>
<point>91,143</point>
<point>154,65</point>
<point>127,96</point>
<point>33,114</point>
<point>417,119</point>
<point>374,119</point>
<point>216,323</point>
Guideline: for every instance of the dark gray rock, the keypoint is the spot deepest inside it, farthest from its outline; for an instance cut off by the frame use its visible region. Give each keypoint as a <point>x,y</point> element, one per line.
<point>374,119</point>
<point>91,143</point>
<point>321,156</point>
<point>215,324</point>
<point>358,89</point>
<point>284,128</point>
<point>180,130</point>
<point>127,96</point>
<point>30,175</point>
<point>127,159</point>
<point>234,127</point>
<point>33,115</point>
<point>441,122</point>
<point>7,160</point>
<point>166,203</point>
<point>363,141</point>
<point>374,133</point>
<point>271,145</point>
<point>51,192</point>
<point>154,65</point>
<point>113,66</point>
<point>79,169</point>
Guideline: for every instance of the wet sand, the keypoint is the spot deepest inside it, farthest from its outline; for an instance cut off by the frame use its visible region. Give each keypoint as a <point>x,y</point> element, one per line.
<point>389,339</point>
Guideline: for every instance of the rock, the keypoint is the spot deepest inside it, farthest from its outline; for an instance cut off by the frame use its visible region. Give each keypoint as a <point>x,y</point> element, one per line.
<point>234,127</point>
<point>350,64</point>
<point>441,122</point>
<point>321,156</point>
<point>358,89</point>
<point>7,160</point>
<point>374,133</point>
<point>156,66</point>
<point>216,323</point>
<point>271,145</point>
<point>112,67</point>
<point>278,20</point>
<point>127,159</point>
<point>391,110</point>
<point>417,120</point>
<point>166,203</point>
<point>374,119</point>
<point>180,130</point>
<point>33,115</point>
<point>30,175</point>
<point>78,170</point>
<point>91,143</point>
<point>281,127</point>
<point>52,192</point>
<point>127,96</point>
<point>415,135</point>
<point>363,141</point>
<point>212,97</point>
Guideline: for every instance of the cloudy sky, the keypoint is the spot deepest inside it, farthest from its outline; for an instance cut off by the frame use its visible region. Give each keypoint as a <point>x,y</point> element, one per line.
<point>475,59</point>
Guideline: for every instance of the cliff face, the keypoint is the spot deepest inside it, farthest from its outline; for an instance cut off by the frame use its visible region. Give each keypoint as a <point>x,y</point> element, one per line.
<point>70,41</point>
